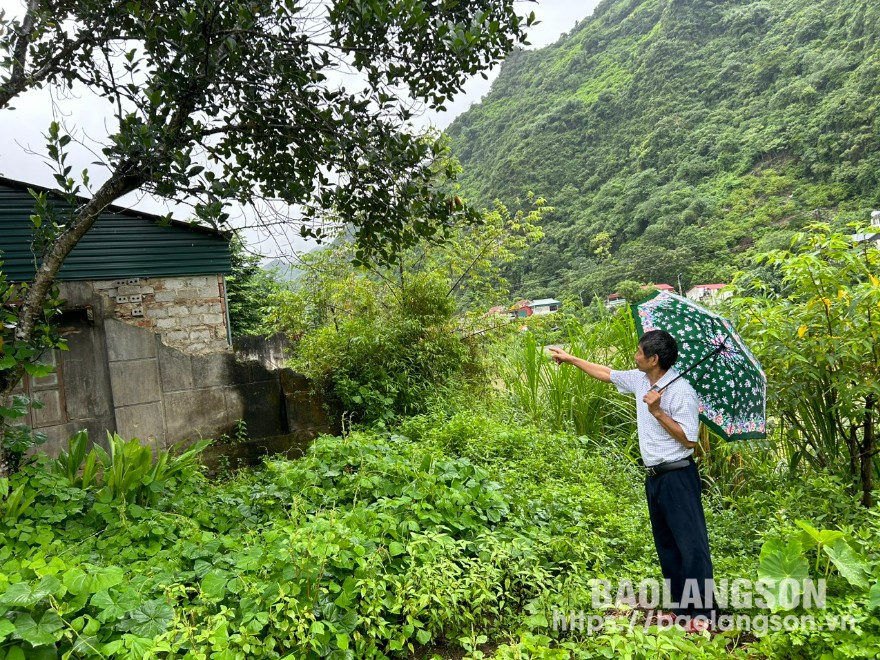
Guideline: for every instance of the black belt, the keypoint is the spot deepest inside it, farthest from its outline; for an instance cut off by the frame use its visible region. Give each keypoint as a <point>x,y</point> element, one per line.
<point>660,468</point>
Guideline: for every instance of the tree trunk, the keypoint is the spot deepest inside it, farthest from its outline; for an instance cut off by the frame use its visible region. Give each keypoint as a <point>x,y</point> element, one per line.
<point>124,180</point>
<point>867,455</point>
<point>121,183</point>
<point>852,445</point>
<point>4,459</point>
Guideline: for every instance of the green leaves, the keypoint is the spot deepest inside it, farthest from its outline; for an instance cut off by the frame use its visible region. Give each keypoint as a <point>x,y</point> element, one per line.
<point>385,351</point>
<point>817,333</point>
<point>6,628</point>
<point>213,585</point>
<point>814,537</point>
<point>783,567</point>
<point>47,631</point>
<point>114,604</point>
<point>78,581</point>
<point>151,619</point>
<point>849,564</point>
<point>25,595</point>
<point>874,596</point>
<point>129,472</point>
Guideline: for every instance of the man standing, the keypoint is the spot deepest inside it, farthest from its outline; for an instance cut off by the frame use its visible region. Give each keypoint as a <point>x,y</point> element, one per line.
<point>667,416</point>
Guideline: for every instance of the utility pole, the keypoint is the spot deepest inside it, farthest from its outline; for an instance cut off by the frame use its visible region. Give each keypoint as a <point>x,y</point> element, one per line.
<point>680,292</point>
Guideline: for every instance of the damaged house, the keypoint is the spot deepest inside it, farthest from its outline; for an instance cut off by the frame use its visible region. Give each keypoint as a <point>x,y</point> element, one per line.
<point>146,320</point>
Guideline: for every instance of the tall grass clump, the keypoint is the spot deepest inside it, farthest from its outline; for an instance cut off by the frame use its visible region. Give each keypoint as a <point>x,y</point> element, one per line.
<point>566,399</point>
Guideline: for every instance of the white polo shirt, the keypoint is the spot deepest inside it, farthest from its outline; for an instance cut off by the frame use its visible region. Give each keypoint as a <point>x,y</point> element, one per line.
<point>679,401</point>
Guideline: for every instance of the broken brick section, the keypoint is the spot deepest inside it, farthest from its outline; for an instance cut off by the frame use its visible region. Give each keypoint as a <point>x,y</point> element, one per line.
<point>189,313</point>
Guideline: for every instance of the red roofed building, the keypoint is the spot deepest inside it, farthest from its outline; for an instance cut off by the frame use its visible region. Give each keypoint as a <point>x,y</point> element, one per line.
<point>709,293</point>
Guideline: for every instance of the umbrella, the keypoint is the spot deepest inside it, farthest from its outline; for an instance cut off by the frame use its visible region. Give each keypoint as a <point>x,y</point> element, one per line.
<point>729,381</point>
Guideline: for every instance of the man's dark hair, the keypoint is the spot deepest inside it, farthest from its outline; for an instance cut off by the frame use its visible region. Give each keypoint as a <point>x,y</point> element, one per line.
<point>661,344</point>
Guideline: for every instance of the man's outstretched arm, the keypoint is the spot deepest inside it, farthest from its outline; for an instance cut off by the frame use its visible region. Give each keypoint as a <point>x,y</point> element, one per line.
<point>597,371</point>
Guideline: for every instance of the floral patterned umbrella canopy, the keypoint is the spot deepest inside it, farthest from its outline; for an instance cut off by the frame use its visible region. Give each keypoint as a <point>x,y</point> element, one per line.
<point>728,379</point>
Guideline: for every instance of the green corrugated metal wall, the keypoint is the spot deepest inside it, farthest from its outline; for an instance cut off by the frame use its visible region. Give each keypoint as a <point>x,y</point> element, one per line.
<point>121,244</point>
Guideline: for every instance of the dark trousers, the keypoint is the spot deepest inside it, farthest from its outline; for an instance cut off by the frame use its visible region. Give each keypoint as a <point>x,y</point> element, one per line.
<point>679,528</point>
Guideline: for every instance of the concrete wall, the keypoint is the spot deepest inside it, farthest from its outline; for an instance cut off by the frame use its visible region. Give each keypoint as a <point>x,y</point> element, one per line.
<point>270,351</point>
<point>164,395</point>
<point>77,395</point>
<point>122,378</point>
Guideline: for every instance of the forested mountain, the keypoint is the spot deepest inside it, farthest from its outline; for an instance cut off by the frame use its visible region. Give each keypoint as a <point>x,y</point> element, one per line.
<point>681,136</point>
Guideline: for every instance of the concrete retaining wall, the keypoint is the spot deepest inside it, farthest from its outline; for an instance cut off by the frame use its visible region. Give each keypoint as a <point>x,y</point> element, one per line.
<point>270,351</point>
<point>124,378</point>
<point>164,395</point>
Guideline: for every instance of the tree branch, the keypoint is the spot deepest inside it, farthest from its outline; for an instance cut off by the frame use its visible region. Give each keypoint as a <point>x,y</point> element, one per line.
<point>124,180</point>
<point>16,83</point>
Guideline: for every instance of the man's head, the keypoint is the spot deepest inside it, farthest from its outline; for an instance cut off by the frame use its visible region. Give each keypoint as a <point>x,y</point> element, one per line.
<point>659,344</point>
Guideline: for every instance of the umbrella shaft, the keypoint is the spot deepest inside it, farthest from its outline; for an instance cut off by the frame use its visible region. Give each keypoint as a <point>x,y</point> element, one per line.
<point>691,368</point>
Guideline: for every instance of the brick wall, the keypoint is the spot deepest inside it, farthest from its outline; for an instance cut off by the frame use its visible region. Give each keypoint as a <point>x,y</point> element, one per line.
<point>189,313</point>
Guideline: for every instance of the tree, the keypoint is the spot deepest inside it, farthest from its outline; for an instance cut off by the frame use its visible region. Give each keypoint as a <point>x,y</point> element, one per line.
<point>386,339</point>
<point>18,356</point>
<point>473,257</point>
<point>381,351</point>
<point>235,101</point>
<point>214,102</point>
<point>819,341</point>
<point>630,290</point>
<point>600,246</point>
<point>249,290</point>
<point>634,292</point>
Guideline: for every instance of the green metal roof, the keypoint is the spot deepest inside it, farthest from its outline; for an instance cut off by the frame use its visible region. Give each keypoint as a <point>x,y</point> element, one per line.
<point>122,243</point>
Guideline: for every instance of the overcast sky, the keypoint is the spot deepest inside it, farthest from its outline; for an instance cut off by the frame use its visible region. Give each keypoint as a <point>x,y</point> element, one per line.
<point>22,145</point>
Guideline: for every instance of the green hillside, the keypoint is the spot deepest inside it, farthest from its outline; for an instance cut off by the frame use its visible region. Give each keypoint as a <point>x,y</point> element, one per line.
<point>681,136</point>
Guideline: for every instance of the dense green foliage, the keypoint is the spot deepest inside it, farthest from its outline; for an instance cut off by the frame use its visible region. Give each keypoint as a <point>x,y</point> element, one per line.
<point>249,291</point>
<point>465,527</point>
<point>818,336</point>
<point>383,351</point>
<point>681,136</point>
<point>387,340</point>
<point>450,532</point>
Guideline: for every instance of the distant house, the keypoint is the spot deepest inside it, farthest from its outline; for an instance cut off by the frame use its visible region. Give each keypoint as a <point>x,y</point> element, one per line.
<point>614,300</point>
<point>871,236</point>
<point>525,308</point>
<point>709,293</point>
<point>545,306</point>
<point>521,309</point>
